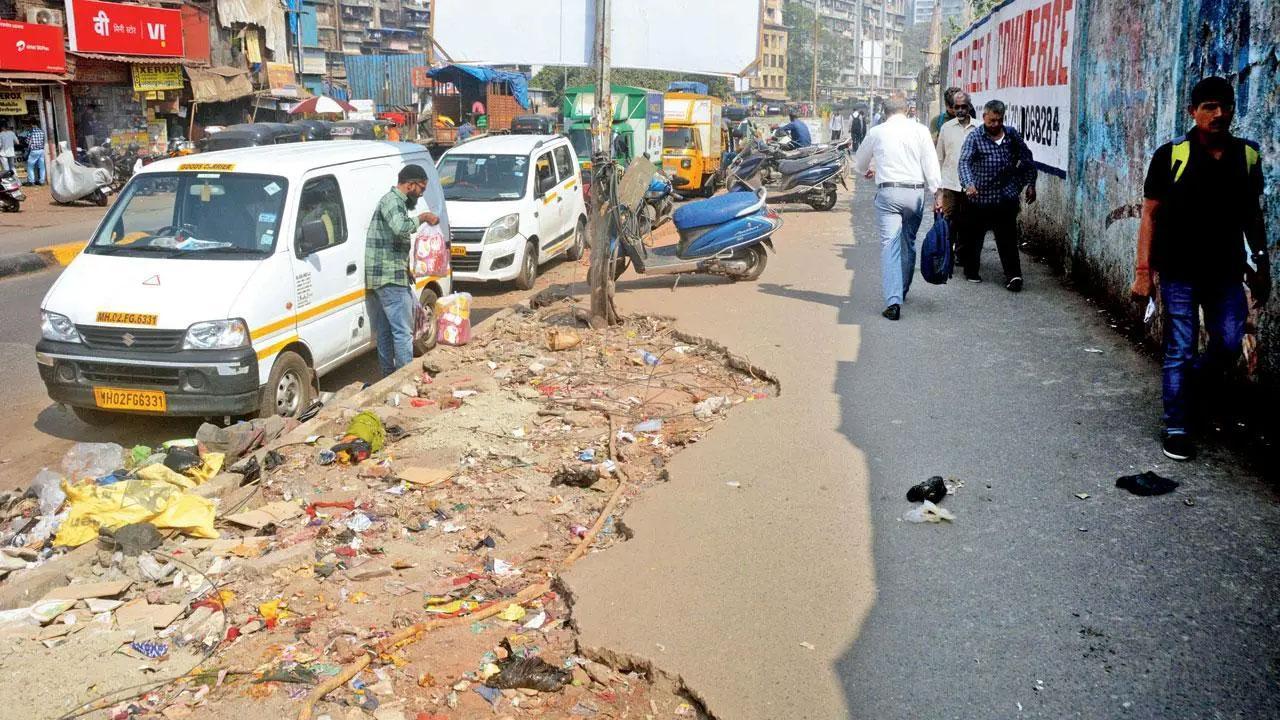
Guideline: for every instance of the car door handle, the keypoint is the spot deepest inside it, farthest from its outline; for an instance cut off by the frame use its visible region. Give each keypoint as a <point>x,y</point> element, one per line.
<point>351,269</point>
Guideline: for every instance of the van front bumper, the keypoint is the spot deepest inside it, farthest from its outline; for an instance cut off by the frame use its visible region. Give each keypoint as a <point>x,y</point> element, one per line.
<point>196,383</point>
<point>494,262</point>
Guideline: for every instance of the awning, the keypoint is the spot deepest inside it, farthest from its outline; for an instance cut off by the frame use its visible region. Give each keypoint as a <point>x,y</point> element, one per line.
<point>141,59</point>
<point>6,77</point>
<point>474,77</point>
<point>219,84</point>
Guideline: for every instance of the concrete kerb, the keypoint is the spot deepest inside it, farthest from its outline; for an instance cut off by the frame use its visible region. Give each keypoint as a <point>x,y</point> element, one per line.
<point>41,258</point>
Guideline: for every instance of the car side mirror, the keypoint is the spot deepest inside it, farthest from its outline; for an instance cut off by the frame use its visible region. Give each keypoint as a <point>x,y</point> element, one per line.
<point>312,239</point>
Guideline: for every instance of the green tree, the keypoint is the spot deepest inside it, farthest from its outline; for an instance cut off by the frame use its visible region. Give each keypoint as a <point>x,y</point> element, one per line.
<point>832,50</point>
<point>556,78</point>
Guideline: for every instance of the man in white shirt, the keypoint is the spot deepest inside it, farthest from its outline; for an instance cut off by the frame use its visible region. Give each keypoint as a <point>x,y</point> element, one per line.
<point>8,140</point>
<point>836,125</point>
<point>906,166</point>
<point>951,200</point>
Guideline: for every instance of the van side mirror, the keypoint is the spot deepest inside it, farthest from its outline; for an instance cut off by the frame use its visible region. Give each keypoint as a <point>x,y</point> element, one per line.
<point>313,238</point>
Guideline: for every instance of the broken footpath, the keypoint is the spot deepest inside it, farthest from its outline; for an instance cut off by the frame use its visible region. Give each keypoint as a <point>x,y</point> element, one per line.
<point>399,555</point>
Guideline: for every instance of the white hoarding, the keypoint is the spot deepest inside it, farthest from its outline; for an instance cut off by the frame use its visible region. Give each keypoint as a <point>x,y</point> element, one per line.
<point>1020,54</point>
<point>719,37</point>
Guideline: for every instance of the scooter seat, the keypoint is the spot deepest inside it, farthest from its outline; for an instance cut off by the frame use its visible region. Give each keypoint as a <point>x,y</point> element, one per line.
<point>716,210</point>
<point>791,167</point>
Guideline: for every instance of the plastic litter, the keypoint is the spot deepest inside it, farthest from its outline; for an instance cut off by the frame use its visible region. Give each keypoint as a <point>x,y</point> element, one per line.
<point>454,319</point>
<point>367,427</point>
<point>649,426</point>
<point>47,489</point>
<point>649,358</point>
<point>181,460</point>
<point>135,538</point>
<point>359,522</point>
<point>1146,484</point>
<point>139,500</point>
<point>529,672</point>
<point>709,407</point>
<point>490,694</point>
<point>92,460</point>
<point>326,457</point>
<point>928,512</point>
<point>933,490</point>
<point>588,455</point>
<point>150,648</point>
<point>562,339</point>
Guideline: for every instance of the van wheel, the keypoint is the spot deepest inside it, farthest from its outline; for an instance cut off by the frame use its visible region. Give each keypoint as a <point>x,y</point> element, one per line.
<point>528,268</point>
<point>427,340</point>
<point>93,416</point>
<point>579,246</point>
<point>290,389</point>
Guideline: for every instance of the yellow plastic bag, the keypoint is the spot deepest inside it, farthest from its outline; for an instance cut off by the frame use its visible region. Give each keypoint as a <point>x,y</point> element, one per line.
<point>141,500</point>
<point>211,465</point>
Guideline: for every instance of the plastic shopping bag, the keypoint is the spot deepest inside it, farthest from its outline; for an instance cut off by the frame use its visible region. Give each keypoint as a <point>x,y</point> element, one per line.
<point>430,256</point>
<point>453,313</point>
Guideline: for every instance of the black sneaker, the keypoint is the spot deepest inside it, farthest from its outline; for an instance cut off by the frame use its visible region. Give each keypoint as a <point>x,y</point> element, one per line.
<point>893,312</point>
<point>1014,285</point>
<point>1178,446</point>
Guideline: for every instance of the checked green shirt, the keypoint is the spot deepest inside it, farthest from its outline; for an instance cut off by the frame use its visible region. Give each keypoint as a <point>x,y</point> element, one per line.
<point>387,247</point>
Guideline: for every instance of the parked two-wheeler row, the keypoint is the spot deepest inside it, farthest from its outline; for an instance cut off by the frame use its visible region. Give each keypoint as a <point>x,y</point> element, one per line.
<point>11,195</point>
<point>806,175</point>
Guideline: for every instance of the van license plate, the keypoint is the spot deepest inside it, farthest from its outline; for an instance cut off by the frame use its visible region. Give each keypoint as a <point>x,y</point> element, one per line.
<point>122,399</point>
<point>457,251</point>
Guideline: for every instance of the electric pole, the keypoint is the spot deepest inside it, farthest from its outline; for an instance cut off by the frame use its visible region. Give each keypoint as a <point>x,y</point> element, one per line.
<point>600,274</point>
<point>813,91</point>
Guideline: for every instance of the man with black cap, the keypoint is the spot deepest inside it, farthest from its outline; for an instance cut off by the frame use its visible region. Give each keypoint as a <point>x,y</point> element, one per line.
<point>1203,194</point>
<point>386,268</point>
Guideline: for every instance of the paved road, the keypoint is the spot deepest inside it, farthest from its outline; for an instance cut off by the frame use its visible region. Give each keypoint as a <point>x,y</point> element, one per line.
<point>802,594</point>
<point>42,222</point>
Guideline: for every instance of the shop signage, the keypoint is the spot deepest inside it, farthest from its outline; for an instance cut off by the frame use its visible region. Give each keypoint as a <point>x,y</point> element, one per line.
<point>112,28</point>
<point>31,48</point>
<point>282,80</point>
<point>12,103</point>
<point>100,72</point>
<point>148,78</point>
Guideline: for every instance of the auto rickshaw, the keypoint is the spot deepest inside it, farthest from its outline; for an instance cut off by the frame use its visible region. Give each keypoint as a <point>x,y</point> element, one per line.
<point>533,125</point>
<point>253,135</point>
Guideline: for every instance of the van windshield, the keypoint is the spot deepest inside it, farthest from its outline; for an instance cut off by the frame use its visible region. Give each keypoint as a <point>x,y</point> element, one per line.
<point>580,138</point>
<point>483,178</point>
<point>223,215</point>
<point>679,138</point>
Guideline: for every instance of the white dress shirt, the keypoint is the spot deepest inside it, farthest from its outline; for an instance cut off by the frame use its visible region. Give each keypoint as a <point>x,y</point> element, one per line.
<point>903,153</point>
<point>837,122</point>
<point>950,142</point>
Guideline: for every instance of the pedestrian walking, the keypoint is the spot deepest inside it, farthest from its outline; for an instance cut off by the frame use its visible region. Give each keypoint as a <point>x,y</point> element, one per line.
<point>388,296</point>
<point>857,128</point>
<point>8,141</point>
<point>35,155</point>
<point>1203,192</point>
<point>951,200</point>
<point>836,125</point>
<point>995,167</point>
<point>948,110</point>
<point>906,166</point>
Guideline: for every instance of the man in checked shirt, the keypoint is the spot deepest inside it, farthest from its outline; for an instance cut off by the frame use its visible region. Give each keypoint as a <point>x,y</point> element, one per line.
<point>995,166</point>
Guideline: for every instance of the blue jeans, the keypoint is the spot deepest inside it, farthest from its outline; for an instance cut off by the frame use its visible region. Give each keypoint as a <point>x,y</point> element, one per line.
<point>391,319</point>
<point>1184,367</point>
<point>899,212</point>
<point>35,167</point>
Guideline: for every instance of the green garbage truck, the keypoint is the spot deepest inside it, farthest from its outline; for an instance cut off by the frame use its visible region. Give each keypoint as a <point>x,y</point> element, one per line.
<point>637,122</point>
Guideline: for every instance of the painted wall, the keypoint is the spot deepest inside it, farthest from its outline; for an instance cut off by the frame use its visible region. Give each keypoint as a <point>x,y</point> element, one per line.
<point>1134,64</point>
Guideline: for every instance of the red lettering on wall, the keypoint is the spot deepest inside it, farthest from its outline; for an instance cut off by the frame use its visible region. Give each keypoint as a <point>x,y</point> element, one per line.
<point>1064,43</point>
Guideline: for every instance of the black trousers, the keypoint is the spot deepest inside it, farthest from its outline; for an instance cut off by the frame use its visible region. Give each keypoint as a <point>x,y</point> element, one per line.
<point>1001,219</point>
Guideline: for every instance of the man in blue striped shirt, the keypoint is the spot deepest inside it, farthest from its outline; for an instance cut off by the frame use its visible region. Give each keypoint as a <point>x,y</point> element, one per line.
<point>995,166</point>
<point>35,155</point>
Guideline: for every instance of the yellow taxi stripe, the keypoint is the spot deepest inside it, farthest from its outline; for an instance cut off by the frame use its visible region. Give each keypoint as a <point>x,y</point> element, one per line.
<point>423,282</point>
<point>270,350</point>
<point>307,314</point>
<point>550,196</point>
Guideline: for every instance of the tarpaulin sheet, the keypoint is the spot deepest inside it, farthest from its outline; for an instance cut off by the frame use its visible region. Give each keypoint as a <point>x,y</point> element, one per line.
<point>219,84</point>
<point>472,77</point>
<point>266,14</point>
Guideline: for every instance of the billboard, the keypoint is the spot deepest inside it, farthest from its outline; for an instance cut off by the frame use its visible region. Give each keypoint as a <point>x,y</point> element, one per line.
<point>716,38</point>
<point>1021,54</point>
<point>31,47</point>
<point>112,28</point>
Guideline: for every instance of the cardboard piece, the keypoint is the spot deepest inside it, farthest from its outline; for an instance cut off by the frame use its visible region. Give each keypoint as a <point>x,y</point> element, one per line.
<point>245,547</point>
<point>83,591</point>
<point>267,514</point>
<point>141,612</point>
<point>425,476</point>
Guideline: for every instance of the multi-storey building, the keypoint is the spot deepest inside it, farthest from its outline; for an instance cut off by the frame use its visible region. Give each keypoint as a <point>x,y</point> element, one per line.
<point>922,10</point>
<point>869,33</point>
<point>770,81</point>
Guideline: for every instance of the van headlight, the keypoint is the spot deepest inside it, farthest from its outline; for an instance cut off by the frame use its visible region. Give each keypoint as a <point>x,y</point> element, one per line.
<point>504,228</point>
<point>58,328</point>
<point>216,335</point>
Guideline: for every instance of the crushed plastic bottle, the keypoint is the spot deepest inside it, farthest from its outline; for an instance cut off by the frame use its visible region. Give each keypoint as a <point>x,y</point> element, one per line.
<point>47,489</point>
<point>649,358</point>
<point>92,460</point>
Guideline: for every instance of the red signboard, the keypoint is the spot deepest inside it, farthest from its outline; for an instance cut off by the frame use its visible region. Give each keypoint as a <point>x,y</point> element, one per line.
<point>112,28</point>
<point>33,48</point>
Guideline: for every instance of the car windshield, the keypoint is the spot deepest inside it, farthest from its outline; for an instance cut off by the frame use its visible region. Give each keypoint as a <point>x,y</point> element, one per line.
<point>187,214</point>
<point>483,178</point>
<point>581,141</point>
<point>679,138</point>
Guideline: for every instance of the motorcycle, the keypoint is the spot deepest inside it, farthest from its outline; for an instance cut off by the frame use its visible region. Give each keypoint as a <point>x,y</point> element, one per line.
<point>659,201</point>
<point>725,235</point>
<point>11,195</point>
<point>806,176</point>
<point>70,181</point>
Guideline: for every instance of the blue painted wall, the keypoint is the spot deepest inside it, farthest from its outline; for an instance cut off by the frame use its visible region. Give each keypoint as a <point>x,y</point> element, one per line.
<point>1134,65</point>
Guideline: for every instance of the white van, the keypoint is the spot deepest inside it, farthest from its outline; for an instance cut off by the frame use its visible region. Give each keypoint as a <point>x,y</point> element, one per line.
<point>224,284</point>
<point>516,202</point>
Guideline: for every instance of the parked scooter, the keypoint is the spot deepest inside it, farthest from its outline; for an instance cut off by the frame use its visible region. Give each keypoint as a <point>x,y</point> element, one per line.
<point>70,181</point>
<point>659,201</point>
<point>725,235</point>
<point>808,176</point>
<point>11,195</point>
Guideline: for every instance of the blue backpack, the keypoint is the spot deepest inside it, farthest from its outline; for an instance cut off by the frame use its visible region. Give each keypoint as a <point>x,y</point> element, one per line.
<point>936,263</point>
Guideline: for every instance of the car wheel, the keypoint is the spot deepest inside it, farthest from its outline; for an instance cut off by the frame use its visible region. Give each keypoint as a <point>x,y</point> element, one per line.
<point>290,388</point>
<point>427,340</point>
<point>94,417</point>
<point>528,268</point>
<point>579,246</point>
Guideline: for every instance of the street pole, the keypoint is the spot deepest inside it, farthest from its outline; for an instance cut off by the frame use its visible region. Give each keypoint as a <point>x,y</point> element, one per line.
<point>813,91</point>
<point>600,274</point>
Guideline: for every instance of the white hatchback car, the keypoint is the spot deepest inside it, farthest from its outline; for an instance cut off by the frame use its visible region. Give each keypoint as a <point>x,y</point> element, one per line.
<point>514,202</point>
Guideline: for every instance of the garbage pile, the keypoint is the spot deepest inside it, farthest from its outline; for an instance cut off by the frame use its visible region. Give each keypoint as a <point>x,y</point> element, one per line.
<point>401,560</point>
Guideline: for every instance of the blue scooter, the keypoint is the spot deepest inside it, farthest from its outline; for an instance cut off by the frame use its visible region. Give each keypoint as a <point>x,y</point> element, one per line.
<point>805,176</point>
<point>724,235</point>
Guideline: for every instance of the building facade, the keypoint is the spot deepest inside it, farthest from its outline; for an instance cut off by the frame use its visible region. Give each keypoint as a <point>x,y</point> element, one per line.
<point>870,36</point>
<point>922,11</point>
<point>770,81</point>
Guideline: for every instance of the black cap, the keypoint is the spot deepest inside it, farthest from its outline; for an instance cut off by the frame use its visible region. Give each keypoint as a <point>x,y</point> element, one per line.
<point>412,173</point>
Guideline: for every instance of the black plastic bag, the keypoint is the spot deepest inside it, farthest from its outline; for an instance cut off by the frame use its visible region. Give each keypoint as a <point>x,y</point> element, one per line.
<point>529,672</point>
<point>933,490</point>
<point>181,460</point>
<point>1146,484</point>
